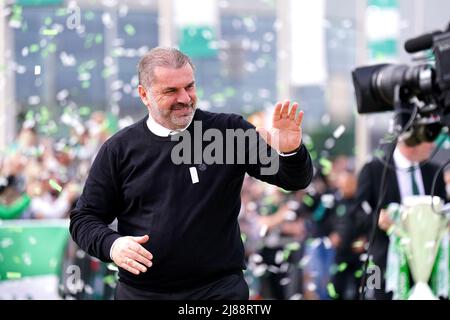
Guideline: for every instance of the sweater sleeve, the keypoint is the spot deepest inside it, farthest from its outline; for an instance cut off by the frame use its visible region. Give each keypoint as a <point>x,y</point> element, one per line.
<point>97,207</point>
<point>292,173</point>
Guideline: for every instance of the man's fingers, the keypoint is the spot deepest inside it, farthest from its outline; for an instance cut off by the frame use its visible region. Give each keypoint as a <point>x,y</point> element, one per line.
<point>140,250</point>
<point>132,266</point>
<point>277,112</point>
<point>299,119</point>
<point>139,258</point>
<point>293,111</point>
<point>141,240</point>
<point>285,109</point>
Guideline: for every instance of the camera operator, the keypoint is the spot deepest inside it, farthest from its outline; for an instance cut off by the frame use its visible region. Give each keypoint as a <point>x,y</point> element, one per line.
<point>406,177</point>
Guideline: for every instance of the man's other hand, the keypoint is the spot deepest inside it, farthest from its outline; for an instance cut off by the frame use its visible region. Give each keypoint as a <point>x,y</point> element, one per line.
<point>129,254</point>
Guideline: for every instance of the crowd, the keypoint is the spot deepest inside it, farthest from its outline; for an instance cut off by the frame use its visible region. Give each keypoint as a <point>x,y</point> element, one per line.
<point>299,245</point>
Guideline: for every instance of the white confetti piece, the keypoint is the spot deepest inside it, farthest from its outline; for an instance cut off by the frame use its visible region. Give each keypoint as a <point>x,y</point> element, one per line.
<point>339,132</point>
<point>37,70</point>
<point>285,281</point>
<point>279,257</point>
<point>366,207</point>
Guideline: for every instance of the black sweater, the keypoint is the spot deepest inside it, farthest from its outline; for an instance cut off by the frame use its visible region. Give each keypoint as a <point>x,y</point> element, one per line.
<point>193,228</point>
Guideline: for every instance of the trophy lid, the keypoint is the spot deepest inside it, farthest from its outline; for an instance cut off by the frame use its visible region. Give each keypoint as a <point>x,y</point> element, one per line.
<point>422,200</point>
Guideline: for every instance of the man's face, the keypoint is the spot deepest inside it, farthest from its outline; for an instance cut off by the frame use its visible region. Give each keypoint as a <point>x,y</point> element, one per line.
<point>417,153</point>
<point>171,99</point>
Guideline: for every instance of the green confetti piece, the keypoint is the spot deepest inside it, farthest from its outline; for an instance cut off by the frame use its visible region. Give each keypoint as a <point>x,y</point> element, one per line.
<point>331,291</point>
<point>200,92</point>
<point>17,10</point>
<point>13,275</point>
<point>357,244</point>
<point>286,254</point>
<point>109,280</point>
<point>313,155</point>
<point>29,115</point>
<point>308,200</point>
<point>48,21</point>
<point>107,72</point>
<point>53,263</point>
<point>34,48</point>
<point>326,165</point>
<point>98,38</point>
<point>264,211</point>
<point>44,115</point>
<point>342,267</point>
<point>85,84</point>
<point>358,273</point>
<point>60,12</point>
<point>90,64</point>
<point>16,229</point>
<point>218,98</point>
<point>49,32</point>
<point>84,111</point>
<point>243,237</point>
<point>230,92</point>
<point>51,48</point>
<point>379,153</point>
<point>341,210</point>
<point>130,30</point>
<point>54,185</point>
<point>293,246</point>
<point>90,15</point>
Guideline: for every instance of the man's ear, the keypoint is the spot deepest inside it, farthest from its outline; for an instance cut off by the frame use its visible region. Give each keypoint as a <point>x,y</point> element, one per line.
<point>143,94</point>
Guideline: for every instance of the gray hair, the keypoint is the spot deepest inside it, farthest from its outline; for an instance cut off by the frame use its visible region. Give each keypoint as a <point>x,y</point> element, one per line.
<point>160,57</point>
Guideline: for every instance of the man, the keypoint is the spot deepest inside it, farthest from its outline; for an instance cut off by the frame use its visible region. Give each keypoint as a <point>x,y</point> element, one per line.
<point>409,174</point>
<point>178,236</point>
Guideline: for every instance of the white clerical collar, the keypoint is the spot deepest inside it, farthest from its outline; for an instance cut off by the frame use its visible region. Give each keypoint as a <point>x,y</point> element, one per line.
<point>160,130</point>
<point>401,161</point>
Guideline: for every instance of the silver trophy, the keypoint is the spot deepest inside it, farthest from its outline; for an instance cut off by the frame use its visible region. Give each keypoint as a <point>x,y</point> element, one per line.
<point>421,226</point>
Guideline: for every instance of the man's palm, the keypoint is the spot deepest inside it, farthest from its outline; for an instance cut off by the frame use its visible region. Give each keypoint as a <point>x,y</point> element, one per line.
<point>286,133</point>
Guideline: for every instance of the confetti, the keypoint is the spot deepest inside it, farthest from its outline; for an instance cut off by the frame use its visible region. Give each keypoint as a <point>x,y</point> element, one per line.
<point>358,273</point>
<point>341,210</point>
<point>332,291</point>
<point>130,30</point>
<point>326,165</point>
<point>339,132</point>
<point>49,32</point>
<point>279,257</point>
<point>285,281</point>
<point>37,70</point>
<point>54,185</point>
<point>13,275</point>
<point>32,240</point>
<point>366,207</point>
<point>308,200</point>
<point>342,267</point>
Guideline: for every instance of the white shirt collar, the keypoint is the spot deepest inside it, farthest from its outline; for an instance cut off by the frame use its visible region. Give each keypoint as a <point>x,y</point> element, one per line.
<point>401,162</point>
<point>160,130</point>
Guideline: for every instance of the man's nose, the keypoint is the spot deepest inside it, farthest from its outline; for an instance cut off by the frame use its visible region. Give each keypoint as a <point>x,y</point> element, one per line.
<point>183,97</point>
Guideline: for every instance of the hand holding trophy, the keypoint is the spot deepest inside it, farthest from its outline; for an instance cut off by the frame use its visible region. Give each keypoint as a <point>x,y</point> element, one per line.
<point>420,227</point>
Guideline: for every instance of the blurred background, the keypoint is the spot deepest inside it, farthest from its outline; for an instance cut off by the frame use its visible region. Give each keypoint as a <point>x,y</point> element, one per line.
<point>68,81</point>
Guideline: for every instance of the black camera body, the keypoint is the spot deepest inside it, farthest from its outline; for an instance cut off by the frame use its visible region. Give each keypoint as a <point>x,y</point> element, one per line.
<point>419,94</point>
